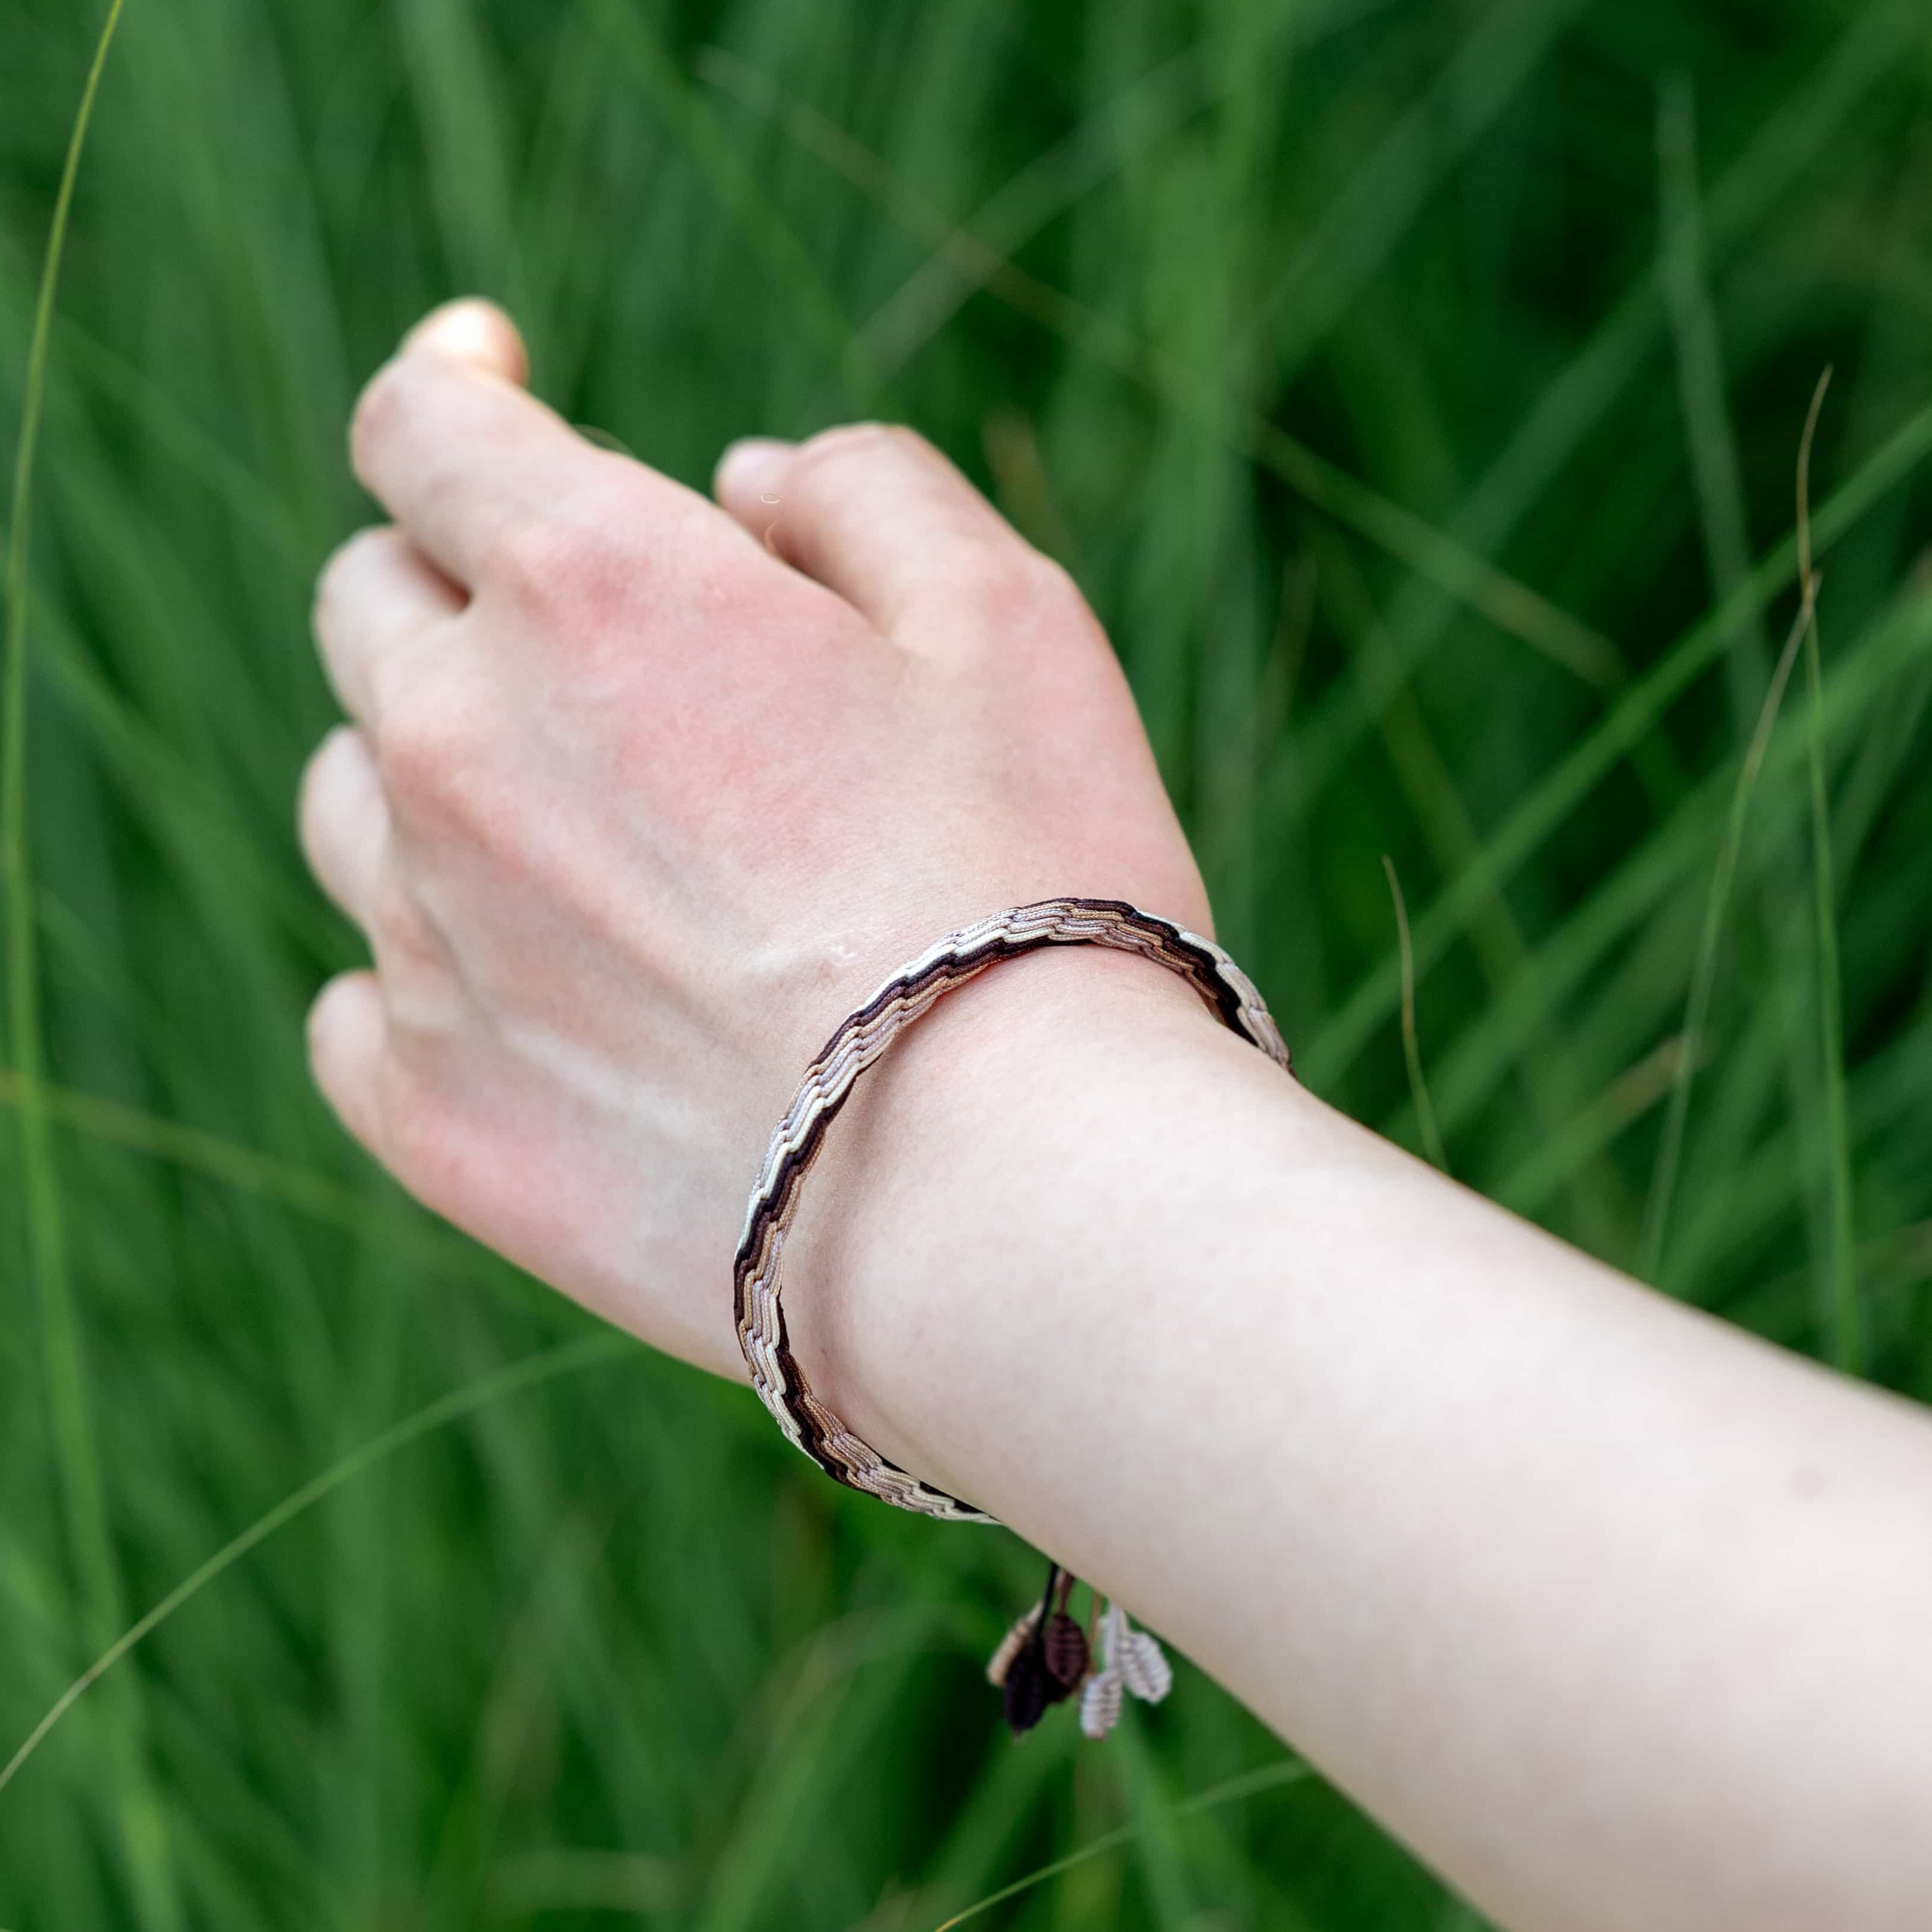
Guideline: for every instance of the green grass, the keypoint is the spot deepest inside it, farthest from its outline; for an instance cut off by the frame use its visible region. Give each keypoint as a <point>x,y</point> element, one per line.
<point>1416,388</point>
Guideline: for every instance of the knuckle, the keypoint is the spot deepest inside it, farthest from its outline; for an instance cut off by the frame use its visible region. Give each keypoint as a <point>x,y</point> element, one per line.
<point>576,550</point>
<point>406,935</point>
<point>848,444</point>
<point>534,557</point>
<point>1054,596</point>
<point>434,741</point>
<point>593,563</point>
<point>1035,578</point>
<point>1009,580</point>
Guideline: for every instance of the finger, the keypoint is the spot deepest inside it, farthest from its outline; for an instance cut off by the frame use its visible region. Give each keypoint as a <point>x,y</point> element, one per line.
<point>343,820</point>
<point>376,595</point>
<point>471,330</point>
<point>750,479</point>
<point>874,512</point>
<point>446,437</point>
<point>347,1033</point>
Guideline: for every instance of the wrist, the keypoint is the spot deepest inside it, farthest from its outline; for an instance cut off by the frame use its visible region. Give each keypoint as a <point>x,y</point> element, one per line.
<point>971,1167</point>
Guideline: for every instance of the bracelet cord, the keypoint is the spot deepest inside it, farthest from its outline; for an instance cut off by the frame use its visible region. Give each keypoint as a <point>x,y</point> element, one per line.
<point>906,997</point>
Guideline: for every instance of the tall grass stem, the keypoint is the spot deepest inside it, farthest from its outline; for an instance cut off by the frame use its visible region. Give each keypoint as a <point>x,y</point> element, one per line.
<point>466,1401</point>
<point>144,1831</point>
<point>1411,1051</point>
<point>1249,1784</point>
<point>1844,1327</point>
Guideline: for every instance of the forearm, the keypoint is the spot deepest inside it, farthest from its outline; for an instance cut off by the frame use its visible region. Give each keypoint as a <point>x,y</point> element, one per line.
<point>1615,1615</point>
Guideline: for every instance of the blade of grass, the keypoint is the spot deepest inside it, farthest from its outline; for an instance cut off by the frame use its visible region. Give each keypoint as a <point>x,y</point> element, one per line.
<point>1844,1324</point>
<point>1885,1105</point>
<point>742,196</point>
<point>460,110</point>
<point>1636,896</point>
<point>1050,183</point>
<point>834,1714</point>
<point>1411,1053</point>
<point>1704,971</point>
<point>1589,387</point>
<point>1683,270</point>
<point>1174,1892</point>
<point>142,1819</point>
<point>233,1165</point>
<point>192,1148</point>
<point>1514,607</point>
<point>1577,775</point>
<point>519,1376</point>
<point>1385,193</point>
<point>1631,1095</point>
<point>66,1381</point>
<point>1055,180</point>
<point>1250,1784</point>
<point>1011,1791</point>
<point>1553,1084</point>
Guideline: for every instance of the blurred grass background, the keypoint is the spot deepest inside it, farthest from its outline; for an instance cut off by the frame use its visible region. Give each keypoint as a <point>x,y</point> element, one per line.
<point>1415,385</point>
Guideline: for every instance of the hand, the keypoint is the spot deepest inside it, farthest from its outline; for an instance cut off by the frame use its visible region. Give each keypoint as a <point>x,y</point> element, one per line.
<point>642,796</point>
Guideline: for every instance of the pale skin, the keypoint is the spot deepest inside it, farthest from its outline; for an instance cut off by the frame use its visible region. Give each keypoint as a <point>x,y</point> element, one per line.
<point>1621,1618</point>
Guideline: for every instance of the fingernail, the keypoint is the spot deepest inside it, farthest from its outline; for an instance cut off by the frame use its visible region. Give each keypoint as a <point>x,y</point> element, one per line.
<point>753,467</point>
<point>472,330</point>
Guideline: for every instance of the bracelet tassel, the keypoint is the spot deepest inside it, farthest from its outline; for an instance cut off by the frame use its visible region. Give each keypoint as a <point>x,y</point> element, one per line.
<point>1046,1657</point>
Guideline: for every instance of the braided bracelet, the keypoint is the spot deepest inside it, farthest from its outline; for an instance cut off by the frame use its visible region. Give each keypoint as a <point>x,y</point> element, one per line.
<point>908,996</point>
<point>1046,1656</point>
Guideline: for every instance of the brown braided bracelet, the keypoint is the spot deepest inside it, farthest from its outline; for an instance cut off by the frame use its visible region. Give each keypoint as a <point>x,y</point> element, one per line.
<point>908,996</point>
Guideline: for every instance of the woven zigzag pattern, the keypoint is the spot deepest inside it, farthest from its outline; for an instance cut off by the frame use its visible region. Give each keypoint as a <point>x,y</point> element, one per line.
<point>907,997</point>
